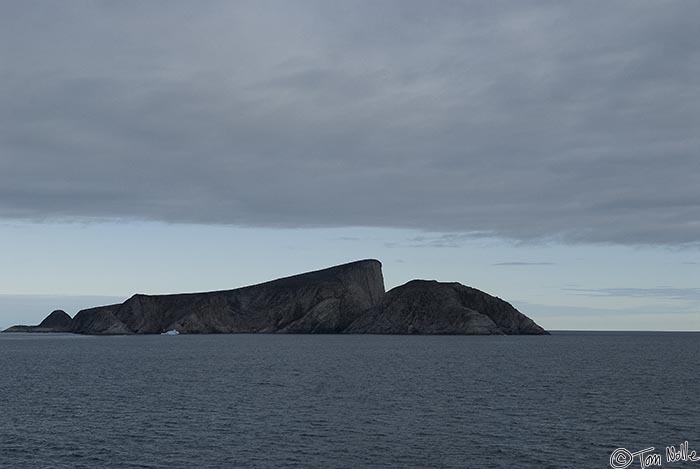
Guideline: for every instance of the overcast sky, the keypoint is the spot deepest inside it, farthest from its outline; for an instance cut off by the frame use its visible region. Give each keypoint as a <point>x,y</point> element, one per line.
<point>527,132</point>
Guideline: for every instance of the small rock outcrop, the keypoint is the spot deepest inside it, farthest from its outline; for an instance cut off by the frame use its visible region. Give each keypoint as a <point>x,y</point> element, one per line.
<point>57,321</point>
<point>348,298</point>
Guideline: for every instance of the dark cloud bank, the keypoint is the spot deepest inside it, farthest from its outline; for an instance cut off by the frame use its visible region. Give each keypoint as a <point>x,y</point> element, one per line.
<point>525,120</point>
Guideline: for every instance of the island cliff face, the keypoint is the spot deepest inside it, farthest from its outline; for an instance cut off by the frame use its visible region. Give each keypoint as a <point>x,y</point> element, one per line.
<point>324,301</point>
<point>348,298</point>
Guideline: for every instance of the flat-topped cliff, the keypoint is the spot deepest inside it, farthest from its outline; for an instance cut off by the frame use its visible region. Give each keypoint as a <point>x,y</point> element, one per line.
<point>348,298</point>
<point>324,301</point>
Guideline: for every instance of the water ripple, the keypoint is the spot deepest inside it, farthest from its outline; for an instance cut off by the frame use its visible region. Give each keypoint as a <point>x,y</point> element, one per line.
<point>258,401</point>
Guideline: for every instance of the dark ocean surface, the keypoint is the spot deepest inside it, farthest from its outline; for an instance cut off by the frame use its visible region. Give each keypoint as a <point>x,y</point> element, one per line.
<point>561,401</point>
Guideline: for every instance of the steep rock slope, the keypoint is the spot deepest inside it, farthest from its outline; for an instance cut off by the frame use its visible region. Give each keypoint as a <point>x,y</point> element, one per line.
<point>326,300</point>
<point>431,307</point>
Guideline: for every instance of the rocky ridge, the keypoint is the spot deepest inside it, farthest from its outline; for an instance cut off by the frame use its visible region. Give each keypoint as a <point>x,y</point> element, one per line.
<point>348,298</point>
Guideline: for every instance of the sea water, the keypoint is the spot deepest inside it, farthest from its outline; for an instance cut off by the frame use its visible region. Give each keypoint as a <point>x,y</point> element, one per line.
<point>568,400</point>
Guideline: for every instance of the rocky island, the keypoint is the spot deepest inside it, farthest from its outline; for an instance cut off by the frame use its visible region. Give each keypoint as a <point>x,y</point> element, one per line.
<point>345,299</point>
<point>57,321</point>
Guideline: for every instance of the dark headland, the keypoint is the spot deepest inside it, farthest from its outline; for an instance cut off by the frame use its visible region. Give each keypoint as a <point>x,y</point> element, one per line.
<point>345,299</point>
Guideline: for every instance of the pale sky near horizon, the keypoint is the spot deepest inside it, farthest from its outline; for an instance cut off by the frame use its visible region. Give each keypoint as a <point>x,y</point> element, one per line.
<point>545,152</point>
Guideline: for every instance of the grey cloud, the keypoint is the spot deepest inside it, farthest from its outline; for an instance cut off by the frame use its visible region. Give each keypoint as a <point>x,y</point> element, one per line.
<point>522,263</point>
<point>574,311</point>
<point>446,240</point>
<point>666,293</point>
<point>527,121</point>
